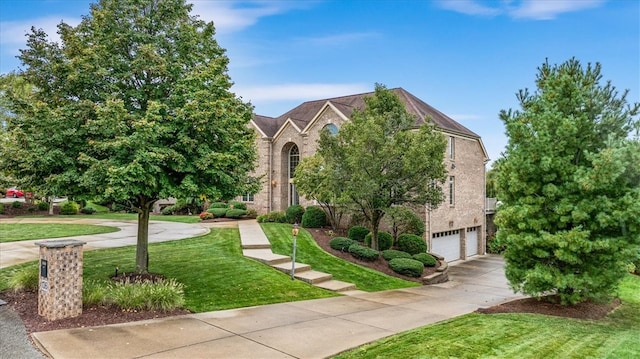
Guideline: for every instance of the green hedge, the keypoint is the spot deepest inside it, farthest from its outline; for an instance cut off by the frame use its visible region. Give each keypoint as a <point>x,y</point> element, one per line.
<point>341,243</point>
<point>411,244</point>
<point>408,267</point>
<point>68,208</point>
<point>357,233</point>
<point>272,217</point>
<point>427,259</point>
<point>235,213</point>
<point>238,205</point>
<point>390,254</point>
<point>314,217</point>
<point>217,212</point>
<point>364,253</point>
<point>385,240</point>
<point>294,213</point>
<point>218,205</point>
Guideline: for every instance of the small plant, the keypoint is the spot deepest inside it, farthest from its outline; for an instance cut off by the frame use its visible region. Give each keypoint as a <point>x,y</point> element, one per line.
<point>341,243</point>
<point>314,217</point>
<point>276,217</point>
<point>1,208</point>
<point>88,210</point>
<point>411,243</point>
<point>390,254</point>
<point>252,213</point>
<point>408,267</point>
<point>235,213</point>
<point>43,206</point>
<point>357,233</point>
<point>427,259</point>
<point>24,279</point>
<point>16,204</point>
<point>94,293</point>
<point>385,240</point>
<point>68,208</point>
<point>294,213</point>
<point>31,209</point>
<point>363,253</point>
<point>162,295</point>
<point>205,215</point>
<point>167,211</point>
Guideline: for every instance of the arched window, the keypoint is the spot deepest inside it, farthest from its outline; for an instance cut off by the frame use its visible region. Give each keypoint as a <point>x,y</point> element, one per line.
<point>333,129</point>
<point>294,160</point>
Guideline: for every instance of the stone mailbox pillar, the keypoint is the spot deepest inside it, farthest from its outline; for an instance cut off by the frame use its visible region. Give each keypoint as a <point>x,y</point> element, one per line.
<point>60,280</point>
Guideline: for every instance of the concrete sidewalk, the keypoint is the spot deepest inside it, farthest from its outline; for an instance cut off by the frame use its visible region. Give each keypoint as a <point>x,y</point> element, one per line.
<point>13,253</point>
<point>307,329</point>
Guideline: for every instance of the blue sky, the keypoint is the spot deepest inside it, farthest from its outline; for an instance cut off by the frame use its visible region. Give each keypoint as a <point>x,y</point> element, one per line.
<point>466,58</point>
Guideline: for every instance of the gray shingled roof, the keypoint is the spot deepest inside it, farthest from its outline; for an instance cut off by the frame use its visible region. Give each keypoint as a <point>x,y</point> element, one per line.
<point>303,114</point>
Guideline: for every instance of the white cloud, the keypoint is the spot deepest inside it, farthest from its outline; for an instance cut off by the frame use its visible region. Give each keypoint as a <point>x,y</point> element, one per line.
<point>230,16</point>
<point>469,7</point>
<point>519,9</point>
<point>547,10</point>
<point>298,91</point>
<point>339,39</point>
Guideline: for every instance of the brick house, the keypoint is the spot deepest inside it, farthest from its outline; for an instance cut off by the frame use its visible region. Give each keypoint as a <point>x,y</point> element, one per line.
<point>455,229</point>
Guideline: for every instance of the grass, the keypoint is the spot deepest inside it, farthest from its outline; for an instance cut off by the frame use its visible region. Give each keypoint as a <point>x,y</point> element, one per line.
<point>26,231</point>
<point>520,335</point>
<point>125,217</point>
<point>212,268</point>
<point>309,252</point>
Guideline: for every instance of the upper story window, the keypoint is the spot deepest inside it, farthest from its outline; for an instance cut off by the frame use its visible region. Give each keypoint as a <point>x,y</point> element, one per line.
<point>452,148</point>
<point>333,129</point>
<point>452,190</point>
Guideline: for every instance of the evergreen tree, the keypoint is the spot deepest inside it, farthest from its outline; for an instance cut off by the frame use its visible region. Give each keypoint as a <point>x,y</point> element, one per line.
<point>569,184</point>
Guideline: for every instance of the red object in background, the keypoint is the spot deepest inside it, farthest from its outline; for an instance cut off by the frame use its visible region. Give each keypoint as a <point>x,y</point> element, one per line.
<point>14,192</point>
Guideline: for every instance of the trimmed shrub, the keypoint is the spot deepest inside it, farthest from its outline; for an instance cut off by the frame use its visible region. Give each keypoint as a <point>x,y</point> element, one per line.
<point>68,208</point>
<point>363,253</point>
<point>357,233</point>
<point>43,206</point>
<point>341,243</point>
<point>411,244</point>
<point>408,267</point>
<point>252,213</point>
<point>167,211</point>
<point>217,212</point>
<point>294,213</point>
<point>218,205</point>
<point>276,217</point>
<point>314,217</point>
<point>16,204</point>
<point>235,213</point>
<point>88,210</point>
<point>385,240</point>
<point>390,254</point>
<point>1,208</point>
<point>427,259</point>
<point>238,205</point>
<point>24,279</point>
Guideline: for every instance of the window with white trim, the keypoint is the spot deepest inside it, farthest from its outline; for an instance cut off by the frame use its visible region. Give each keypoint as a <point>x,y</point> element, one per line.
<point>294,160</point>
<point>247,197</point>
<point>452,148</point>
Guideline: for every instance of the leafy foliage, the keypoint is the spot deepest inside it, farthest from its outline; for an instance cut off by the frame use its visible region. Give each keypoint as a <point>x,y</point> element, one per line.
<point>385,240</point>
<point>357,233</point>
<point>235,213</point>
<point>238,205</point>
<point>412,243</point>
<point>404,220</point>
<point>272,217</point>
<point>570,186</point>
<point>363,253</point>
<point>314,217</point>
<point>377,160</point>
<point>217,212</point>
<point>427,259</point>
<point>69,208</point>
<point>407,266</point>
<point>341,243</point>
<point>390,254</point>
<point>294,213</point>
<point>131,105</point>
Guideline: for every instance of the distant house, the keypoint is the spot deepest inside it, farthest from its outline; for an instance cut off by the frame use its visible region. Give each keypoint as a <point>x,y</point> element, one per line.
<point>455,229</point>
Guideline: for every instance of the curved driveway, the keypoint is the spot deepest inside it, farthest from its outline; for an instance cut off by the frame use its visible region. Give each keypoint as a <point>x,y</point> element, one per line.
<point>13,253</point>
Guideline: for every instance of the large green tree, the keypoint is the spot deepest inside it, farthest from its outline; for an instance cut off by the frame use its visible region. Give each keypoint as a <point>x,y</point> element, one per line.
<point>133,105</point>
<point>569,183</point>
<point>379,159</point>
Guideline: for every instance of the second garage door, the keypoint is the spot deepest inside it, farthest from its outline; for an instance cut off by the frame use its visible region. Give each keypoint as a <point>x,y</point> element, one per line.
<point>446,244</point>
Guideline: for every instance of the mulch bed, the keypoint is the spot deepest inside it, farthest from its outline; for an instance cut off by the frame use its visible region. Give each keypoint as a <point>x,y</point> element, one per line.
<point>26,303</point>
<point>25,209</point>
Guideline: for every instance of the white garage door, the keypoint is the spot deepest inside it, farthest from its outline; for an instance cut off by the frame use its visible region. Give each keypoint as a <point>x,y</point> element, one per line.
<point>446,244</point>
<point>472,241</point>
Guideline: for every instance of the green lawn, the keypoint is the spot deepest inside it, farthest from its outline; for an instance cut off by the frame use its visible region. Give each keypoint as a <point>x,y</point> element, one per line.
<point>124,216</point>
<point>520,335</point>
<point>11,232</point>
<point>309,252</point>
<point>215,273</point>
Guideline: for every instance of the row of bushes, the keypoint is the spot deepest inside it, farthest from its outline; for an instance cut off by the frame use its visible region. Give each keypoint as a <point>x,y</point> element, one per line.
<point>406,242</point>
<point>311,217</point>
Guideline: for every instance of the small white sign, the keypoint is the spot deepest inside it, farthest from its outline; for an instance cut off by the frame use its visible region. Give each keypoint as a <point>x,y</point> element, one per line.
<point>44,285</point>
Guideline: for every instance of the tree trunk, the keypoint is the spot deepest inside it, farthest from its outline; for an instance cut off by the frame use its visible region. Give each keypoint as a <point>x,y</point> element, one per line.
<point>375,224</point>
<point>51,205</point>
<point>142,247</point>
